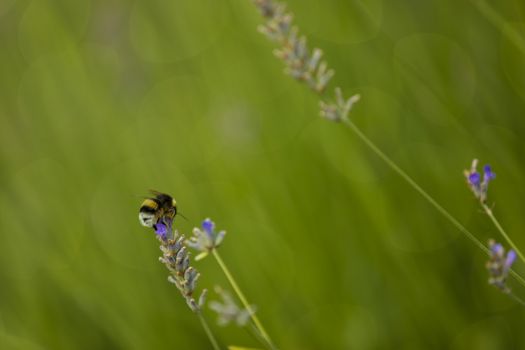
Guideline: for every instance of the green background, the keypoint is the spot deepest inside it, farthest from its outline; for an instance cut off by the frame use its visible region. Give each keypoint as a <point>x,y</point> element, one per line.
<point>102,100</point>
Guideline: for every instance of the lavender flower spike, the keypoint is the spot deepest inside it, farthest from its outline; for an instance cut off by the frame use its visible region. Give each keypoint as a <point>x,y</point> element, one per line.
<point>474,180</point>
<point>176,258</point>
<point>301,62</point>
<point>205,239</point>
<point>499,265</point>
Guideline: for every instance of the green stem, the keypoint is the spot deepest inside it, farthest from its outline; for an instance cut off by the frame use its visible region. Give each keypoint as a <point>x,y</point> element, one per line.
<point>429,198</point>
<point>516,298</point>
<point>518,277</point>
<point>414,185</point>
<point>208,331</point>
<point>254,332</point>
<point>496,223</point>
<point>243,299</point>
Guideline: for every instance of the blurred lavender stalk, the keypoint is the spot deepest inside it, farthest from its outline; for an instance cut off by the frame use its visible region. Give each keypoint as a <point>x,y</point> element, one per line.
<point>301,63</point>
<point>499,265</point>
<point>228,311</point>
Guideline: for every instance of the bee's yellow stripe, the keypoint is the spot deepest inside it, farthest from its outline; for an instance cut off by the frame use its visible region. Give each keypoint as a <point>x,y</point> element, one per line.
<point>150,203</point>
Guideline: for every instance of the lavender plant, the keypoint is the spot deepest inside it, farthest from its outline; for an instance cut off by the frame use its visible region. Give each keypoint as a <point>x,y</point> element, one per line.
<point>298,59</point>
<point>301,62</point>
<point>206,240</point>
<point>176,258</point>
<point>499,265</point>
<point>479,186</point>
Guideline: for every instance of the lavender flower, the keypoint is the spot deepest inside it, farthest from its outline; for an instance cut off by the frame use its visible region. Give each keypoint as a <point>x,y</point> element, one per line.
<point>177,260</point>
<point>228,311</point>
<point>205,239</point>
<point>301,63</point>
<point>499,265</point>
<point>161,229</point>
<point>478,186</point>
<point>488,174</point>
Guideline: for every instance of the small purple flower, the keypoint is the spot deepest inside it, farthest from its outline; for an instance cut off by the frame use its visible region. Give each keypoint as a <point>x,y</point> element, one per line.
<point>511,257</point>
<point>208,226</point>
<point>161,229</point>
<point>497,249</point>
<point>488,174</point>
<point>474,179</point>
<point>478,185</point>
<point>205,239</point>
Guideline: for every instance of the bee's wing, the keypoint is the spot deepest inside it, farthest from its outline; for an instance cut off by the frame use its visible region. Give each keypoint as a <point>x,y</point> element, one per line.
<point>156,193</point>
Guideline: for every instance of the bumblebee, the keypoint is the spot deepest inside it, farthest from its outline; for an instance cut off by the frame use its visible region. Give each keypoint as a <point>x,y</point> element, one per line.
<point>154,209</point>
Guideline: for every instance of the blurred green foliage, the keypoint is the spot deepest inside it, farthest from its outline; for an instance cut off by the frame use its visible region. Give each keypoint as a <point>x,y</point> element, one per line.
<point>102,100</point>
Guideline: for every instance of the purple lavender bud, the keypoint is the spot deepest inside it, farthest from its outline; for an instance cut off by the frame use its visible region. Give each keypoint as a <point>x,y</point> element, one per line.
<point>488,174</point>
<point>511,256</point>
<point>161,229</point>
<point>208,226</point>
<point>474,178</point>
<point>497,249</point>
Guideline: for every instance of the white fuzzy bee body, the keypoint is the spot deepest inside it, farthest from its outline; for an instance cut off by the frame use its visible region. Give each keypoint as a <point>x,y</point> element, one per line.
<point>147,219</point>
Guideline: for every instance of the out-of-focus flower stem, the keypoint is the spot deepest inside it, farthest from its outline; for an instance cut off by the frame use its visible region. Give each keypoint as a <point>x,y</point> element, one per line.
<point>496,223</point>
<point>413,184</point>
<point>348,123</point>
<point>517,276</point>
<point>243,300</point>
<point>254,332</point>
<point>516,298</point>
<point>208,331</point>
